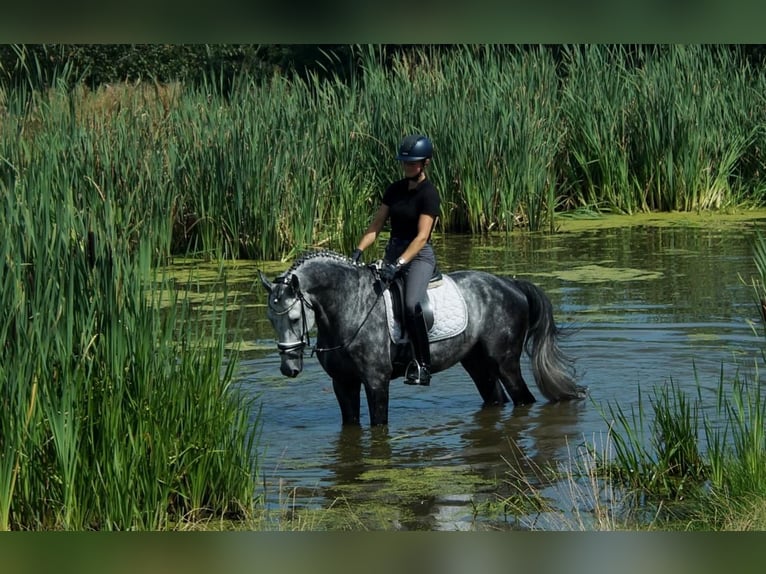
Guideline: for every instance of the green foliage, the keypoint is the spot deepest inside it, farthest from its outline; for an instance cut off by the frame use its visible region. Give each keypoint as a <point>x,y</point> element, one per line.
<point>261,164</point>
<point>738,447</point>
<point>660,129</point>
<point>660,455</point>
<point>98,64</point>
<point>118,406</point>
<point>662,460</point>
<point>596,107</point>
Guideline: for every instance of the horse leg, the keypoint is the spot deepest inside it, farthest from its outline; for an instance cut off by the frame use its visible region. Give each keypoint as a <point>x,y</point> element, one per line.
<point>483,371</point>
<point>348,396</point>
<point>512,379</point>
<point>377,401</point>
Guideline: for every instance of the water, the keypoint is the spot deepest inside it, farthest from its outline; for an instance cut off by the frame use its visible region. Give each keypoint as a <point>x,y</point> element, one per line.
<point>644,304</point>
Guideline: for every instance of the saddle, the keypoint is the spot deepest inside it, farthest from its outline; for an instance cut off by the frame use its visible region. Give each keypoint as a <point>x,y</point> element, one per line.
<point>444,309</point>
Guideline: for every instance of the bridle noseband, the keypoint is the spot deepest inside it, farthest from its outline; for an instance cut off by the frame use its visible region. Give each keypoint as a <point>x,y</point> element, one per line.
<point>287,348</point>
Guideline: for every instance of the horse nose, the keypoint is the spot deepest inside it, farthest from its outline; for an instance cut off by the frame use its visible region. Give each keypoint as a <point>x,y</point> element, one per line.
<point>290,371</point>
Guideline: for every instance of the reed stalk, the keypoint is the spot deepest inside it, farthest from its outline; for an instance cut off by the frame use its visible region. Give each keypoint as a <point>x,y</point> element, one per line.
<point>118,411</point>
<point>268,167</point>
<point>597,103</point>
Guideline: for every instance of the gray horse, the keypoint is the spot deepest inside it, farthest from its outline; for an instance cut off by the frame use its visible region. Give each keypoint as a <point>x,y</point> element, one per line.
<point>345,302</point>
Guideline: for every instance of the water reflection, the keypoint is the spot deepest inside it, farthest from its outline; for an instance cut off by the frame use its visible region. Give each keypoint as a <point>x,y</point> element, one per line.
<point>357,450</point>
<point>644,304</point>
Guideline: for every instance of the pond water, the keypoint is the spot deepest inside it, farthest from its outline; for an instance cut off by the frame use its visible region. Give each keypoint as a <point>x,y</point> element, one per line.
<point>644,304</point>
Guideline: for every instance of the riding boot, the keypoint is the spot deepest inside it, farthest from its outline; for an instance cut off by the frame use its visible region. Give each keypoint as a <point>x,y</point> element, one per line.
<point>419,370</point>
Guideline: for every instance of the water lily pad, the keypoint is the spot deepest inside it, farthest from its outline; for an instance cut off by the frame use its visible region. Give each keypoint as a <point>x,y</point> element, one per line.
<point>196,272</point>
<point>704,337</point>
<point>256,345</point>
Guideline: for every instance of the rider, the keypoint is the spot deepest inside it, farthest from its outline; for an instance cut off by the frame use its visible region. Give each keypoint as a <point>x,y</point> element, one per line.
<point>413,204</point>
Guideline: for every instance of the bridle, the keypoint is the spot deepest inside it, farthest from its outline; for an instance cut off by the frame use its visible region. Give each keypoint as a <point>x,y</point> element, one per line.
<point>297,347</point>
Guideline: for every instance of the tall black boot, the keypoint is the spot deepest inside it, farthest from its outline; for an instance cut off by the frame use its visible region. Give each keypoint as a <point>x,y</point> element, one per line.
<point>418,371</point>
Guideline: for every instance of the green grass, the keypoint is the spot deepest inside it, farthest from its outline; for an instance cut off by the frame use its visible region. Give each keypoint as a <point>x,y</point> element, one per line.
<point>282,164</point>
<point>119,409</point>
<point>706,463</point>
<point>677,460</point>
<point>658,452</point>
<point>665,465</point>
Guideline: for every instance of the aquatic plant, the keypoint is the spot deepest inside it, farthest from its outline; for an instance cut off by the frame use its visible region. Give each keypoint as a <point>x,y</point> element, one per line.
<point>271,166</point>
<point>119,410</point>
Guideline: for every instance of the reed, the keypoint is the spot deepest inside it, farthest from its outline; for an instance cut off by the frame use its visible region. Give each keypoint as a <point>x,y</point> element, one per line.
<point>268,167</point>
<point>101,377</point>
<point>702,461</point>
<point>596,105</point>
<point>661,458</point>
<point>119,413</point>
<point>697,463</point>
<point>738,446</point>
<point>492,115</point>
<point>686,155</point>
<point>673,463</point>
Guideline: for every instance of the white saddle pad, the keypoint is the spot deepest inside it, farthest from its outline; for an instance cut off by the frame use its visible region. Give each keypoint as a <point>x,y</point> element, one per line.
<point>448,306</point>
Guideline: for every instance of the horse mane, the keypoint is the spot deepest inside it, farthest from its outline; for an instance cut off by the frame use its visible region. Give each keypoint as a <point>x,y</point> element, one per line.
<point>323,254</point>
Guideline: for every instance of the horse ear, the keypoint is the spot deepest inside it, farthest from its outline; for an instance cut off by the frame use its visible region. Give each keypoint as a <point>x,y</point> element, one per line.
<point>294,283</point>
<point>265,281</point>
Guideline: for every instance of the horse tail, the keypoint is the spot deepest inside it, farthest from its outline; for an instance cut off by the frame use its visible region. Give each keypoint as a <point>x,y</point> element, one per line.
<point>553,370</point>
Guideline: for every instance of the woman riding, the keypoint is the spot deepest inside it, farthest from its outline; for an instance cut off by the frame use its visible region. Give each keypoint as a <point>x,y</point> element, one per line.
<point>413,205</point>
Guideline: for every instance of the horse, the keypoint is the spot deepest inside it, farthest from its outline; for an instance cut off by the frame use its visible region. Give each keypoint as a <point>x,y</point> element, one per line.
<point>344,300</point>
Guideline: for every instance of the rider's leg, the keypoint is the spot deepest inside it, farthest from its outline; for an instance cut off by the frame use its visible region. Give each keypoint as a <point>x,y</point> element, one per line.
<point>420,372</point>
<point>418,275</point>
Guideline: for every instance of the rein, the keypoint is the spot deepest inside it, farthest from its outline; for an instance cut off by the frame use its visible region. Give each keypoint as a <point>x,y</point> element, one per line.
<point>359,328</point>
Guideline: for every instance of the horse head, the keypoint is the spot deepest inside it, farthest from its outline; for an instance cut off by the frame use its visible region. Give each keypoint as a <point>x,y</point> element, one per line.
<point>292,317</point>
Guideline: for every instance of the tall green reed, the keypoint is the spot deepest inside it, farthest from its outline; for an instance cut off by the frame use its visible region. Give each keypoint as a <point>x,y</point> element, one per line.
<point>710,454</point>
<point>688,133</point>
<point>268,167</point>
<point>683,448</point>
<point>658,457</point>
<point>119,412</point>
<point>738,444</point>
<point>597,97</point>
<point>759,283</point>
<point>493,117</point>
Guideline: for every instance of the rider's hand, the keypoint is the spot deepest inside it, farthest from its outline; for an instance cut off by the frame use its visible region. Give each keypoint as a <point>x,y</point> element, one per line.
<point>388,272</point>
<point>356,255</point>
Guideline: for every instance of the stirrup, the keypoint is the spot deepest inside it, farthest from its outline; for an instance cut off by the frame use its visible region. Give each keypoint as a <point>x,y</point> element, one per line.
<point>417,374</point>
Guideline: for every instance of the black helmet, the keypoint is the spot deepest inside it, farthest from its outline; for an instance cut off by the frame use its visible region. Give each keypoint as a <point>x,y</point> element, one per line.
<point>415,148</point>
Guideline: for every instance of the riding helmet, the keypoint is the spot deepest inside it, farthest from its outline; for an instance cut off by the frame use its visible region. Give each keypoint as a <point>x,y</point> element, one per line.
<point>415,147</point>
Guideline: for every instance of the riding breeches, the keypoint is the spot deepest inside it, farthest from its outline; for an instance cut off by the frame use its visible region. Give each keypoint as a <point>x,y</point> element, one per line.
<point>417,273</point>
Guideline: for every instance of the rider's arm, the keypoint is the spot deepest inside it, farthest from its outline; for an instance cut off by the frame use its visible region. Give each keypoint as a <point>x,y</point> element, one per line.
<point>375,227</point>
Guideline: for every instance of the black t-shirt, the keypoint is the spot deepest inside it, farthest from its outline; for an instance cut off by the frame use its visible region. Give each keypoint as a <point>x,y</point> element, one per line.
<point>406,205</point>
